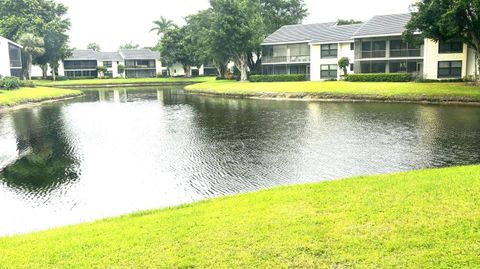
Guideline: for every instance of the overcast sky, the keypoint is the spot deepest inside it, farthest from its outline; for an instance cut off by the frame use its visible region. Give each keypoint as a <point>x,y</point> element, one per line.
<point>112,23</point>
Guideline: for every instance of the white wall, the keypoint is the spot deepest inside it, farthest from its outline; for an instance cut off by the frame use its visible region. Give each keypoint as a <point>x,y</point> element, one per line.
<point>432,57</point>
<point>4,58</point>
<point>316,61</point>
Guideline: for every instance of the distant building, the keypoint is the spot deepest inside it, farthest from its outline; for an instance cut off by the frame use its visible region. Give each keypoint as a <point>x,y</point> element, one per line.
<point>10,58</point>
<point>372,47</point>
<point>139,63</point>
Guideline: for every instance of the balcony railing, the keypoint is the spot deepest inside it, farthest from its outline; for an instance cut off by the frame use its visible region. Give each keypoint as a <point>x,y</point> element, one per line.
<point>286,59</point>
<point>374,54</point>
<point>405,53</point>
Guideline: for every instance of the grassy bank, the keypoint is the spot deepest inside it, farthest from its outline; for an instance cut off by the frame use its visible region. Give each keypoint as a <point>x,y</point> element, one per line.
<point>435,92</point>
<point>31,95</point>
<point>122,81</point>
<point>422,219</point>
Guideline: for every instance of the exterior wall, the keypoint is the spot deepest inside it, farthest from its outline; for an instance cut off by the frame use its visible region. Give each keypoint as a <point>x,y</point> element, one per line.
<point>343,50</point>
<point>4,58</point>
<point>432,57</point>
<point>471,63</point>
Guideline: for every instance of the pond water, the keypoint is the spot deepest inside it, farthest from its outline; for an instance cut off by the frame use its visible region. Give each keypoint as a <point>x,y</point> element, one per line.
<point>119,151</point>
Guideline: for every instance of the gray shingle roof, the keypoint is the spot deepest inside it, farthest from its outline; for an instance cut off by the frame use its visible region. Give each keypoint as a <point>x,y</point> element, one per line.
<point>109,56</point>
<point>384,25</point>
<point>298,33</point>
<point>139,54</point>
<point>83,55</point>
<point>338,33</point>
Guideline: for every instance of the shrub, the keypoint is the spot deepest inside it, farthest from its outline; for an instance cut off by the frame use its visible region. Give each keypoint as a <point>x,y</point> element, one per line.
<point>382,77</point>
<point>10,83</point>
<point>277,78</point>
<point>27,83</point>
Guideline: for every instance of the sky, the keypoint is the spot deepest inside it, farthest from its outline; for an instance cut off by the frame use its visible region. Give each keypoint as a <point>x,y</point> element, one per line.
<point>112,23</point>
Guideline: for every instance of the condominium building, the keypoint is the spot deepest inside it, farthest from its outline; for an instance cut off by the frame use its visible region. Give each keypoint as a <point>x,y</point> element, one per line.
<point>137,62</point>
<point>375,46</point>
<point>10,58</point>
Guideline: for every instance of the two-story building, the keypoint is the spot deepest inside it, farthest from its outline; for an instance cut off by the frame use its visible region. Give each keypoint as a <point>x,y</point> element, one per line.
<point>375,46</point>
<point>10,58</point>
<point>138,63</point>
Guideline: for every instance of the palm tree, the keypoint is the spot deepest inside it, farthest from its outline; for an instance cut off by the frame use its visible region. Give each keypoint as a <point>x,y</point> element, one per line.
<point>163,25</point>
<point>33,46</point>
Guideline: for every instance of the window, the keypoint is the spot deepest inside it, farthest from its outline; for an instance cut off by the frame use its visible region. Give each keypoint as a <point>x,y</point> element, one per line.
<point>373,67</point>
<point>328,71</point>
<point>329,51</point>
<point>351,67</point>
<point>75,65</point>
<point>450,47</point>
<point>352,46</point>
<point>450,69</point>
<point>107,64</point>
<point>400,49</point>
<point>15,56</point>
<point>374,49</point>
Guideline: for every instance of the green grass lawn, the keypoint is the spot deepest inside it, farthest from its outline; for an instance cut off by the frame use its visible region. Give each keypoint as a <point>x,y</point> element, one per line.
<point>348,90</point>
<point>38,94</point>
<point>421,219</point>
<point>121,81</point>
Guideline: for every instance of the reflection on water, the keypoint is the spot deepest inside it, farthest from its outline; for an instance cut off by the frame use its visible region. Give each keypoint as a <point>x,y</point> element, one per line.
<point>118,151</point>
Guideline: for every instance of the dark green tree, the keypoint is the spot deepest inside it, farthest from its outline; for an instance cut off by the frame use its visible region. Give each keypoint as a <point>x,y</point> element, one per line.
<point>277,13</point>
<point>205,49</point>
<point>94,46</point>
<point>347,22</point>
<point>42,18</point>
<point>177,46</point>
<point>444,20</point>
<point>239,30</point>
<point>343,63</point>
<point>129,45</point>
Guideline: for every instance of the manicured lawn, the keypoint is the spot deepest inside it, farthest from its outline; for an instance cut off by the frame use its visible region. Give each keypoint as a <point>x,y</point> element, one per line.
<point>347,90</point>
<point>422,219</point>
<point>122,81</point>
<point>38,94</point>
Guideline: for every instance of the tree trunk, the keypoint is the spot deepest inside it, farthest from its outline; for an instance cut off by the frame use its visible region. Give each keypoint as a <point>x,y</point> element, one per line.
<point>44,71</point>
<point>54,75</point>
<point>242,64</point>
<point>477,64</point>
<point>29,66</point>
<point>221,69</point>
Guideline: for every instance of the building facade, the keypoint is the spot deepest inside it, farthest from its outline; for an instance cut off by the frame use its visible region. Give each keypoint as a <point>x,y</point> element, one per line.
<point>138,63</point>
<point>10,58</point>
<point>375,46</point>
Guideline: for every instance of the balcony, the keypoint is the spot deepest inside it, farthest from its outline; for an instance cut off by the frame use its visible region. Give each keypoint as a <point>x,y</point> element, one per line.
<point>285,59</point>
<point>405,53</point>
<point>374,54</point>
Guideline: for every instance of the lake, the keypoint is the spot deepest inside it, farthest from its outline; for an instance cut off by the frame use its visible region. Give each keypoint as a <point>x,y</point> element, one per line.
<point>119,151</point>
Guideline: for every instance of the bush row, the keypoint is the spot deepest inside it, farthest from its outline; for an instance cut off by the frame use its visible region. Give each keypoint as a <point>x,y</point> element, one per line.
<point>393,77</point>
<point>277,78</point>
<point>12,83</point>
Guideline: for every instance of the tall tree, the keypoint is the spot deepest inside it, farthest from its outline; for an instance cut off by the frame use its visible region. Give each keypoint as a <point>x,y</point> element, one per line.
<point>238,28</point>
<point>56,47</point>
<point>444,20</point>
<point>277,13</point>
<point>162,26</point>
<point>33,46</point>
<point>199,27</point>
<point>42,18</point>
<point>176,46</point>
<point>94,46</point>
<point>129,45</point>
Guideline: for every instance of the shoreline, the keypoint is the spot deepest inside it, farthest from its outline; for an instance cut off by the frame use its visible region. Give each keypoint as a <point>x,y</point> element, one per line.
<point>329,98</point>
<point>126,85</point>
<point>31,104</point>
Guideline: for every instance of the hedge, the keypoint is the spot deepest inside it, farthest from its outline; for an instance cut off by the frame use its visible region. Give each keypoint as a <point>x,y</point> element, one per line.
<point>10,83</point>
<point>277,78</point>
<point>390,77</point>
